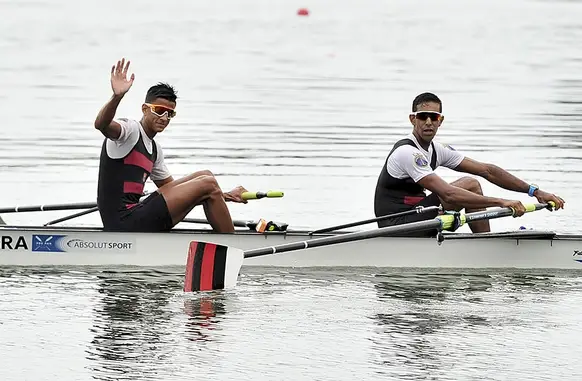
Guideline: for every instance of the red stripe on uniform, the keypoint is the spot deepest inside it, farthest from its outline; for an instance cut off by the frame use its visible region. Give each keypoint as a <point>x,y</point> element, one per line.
<point>411,200</point>
<point>207,271</point>
<point>129,206</point>
<point>190,267</point>
<point>140,160</point>
<point>131,187</point>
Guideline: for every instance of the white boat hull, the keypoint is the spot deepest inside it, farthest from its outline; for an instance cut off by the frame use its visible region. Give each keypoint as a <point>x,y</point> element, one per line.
<point>39,246</point>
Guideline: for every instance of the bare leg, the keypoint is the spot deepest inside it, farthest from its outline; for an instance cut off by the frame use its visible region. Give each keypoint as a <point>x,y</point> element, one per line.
<point>184,194</point>
<point>188,178</point>
<point>471,185</point>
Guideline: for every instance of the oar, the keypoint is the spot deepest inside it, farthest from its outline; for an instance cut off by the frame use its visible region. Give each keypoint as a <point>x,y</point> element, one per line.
<point>211,266</point>
<point>66,218</point>
<point>89,205</point>
<point>277,226</point>
<point>419,210</point>
<point>48,207</point>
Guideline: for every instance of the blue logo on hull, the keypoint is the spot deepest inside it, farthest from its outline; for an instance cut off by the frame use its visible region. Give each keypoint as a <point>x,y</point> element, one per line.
<point>52,243</point>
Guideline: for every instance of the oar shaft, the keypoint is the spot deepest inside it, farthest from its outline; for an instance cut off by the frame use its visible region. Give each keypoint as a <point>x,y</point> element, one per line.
<point>48,207</point>
<point>445,221</point>
<point>237,223</point>
<point>66,218</point>
<point>418,210</point>
<point>344,238</point>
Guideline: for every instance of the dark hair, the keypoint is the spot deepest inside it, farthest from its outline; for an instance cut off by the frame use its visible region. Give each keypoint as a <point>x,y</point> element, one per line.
<point>426,97</point>
<point>161,90</point>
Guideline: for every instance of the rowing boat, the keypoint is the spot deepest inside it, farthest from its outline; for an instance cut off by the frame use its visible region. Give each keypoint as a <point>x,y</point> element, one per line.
<point>80,246</point>
<point>264,244</point>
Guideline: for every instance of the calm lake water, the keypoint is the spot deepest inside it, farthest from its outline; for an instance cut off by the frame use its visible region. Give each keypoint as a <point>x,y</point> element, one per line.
<point>309,105</point>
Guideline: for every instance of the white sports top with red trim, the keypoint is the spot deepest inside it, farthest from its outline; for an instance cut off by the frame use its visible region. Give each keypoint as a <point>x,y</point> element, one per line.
<point>120,147</point>
<point>408,161</point>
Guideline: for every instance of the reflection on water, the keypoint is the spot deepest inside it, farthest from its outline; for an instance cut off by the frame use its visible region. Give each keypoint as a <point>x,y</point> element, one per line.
<point>140,320</point>
<point>425,319</point>
<point>293,324</point>
<point>132,321</point>
<point>204,316</point>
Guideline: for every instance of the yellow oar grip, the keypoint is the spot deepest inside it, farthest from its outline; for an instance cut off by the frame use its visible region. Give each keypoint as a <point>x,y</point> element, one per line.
<point>258,195</point>
<point>529,208</point>
<point>447,220</point>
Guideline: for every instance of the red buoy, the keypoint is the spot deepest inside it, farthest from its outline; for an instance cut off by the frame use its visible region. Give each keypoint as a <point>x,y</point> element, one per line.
<point>303,12</point>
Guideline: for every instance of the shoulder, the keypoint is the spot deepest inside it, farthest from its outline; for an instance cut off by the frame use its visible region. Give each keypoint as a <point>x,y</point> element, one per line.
<point>404,151</point>
<point>444,146</point>
<point>159,152</point>
<point>447,155</point>
<point>407,155</point>
<point>127,123</point>
<point>130,129</point>
<point>446,150</point>
<point>128,137</point>
<point>158,145</point>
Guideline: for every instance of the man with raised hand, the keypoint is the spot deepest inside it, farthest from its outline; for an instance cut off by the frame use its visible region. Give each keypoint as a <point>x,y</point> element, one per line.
<point>130,155</point>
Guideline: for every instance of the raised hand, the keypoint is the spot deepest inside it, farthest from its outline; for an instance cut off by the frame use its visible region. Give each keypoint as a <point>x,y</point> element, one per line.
<point>119,82</point>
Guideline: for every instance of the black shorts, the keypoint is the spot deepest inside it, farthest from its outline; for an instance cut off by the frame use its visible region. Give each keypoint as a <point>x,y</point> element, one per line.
<point>430,200</point>
<point>151,215</point>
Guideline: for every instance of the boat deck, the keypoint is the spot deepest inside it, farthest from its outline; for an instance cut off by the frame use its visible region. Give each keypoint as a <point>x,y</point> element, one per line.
<point>517,234</point>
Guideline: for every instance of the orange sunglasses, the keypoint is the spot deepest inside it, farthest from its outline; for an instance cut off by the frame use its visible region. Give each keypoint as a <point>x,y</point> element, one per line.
<point>160,110</point>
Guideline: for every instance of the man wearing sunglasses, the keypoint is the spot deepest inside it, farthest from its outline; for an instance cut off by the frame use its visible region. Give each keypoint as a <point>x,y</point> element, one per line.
<point>130,155</point>
<point>409,170</point>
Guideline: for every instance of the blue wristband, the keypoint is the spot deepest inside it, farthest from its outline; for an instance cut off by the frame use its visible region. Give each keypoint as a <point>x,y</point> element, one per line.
<point>532,189</point>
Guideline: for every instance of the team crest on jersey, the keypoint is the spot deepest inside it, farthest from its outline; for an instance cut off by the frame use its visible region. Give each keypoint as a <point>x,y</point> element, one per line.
<point>420,160</point>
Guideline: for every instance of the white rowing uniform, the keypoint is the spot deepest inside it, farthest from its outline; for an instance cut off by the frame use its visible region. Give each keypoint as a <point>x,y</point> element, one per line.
<point>130,132</point>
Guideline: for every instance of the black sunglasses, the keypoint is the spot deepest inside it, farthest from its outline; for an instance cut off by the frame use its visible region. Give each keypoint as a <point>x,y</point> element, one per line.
<point>424,115</point>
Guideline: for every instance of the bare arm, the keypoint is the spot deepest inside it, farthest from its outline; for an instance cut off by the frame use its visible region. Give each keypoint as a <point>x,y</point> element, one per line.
<point>120,85</point>
<point>104,121</point>
<point>506,180</point>
<point>458,196</point>
<point>493,174</point>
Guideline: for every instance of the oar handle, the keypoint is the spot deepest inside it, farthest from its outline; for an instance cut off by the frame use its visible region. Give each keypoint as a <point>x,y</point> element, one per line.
<point>259,195</point>
<point>453,220</point>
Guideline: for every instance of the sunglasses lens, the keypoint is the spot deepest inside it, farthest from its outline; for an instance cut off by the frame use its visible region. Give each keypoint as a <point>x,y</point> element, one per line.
<point>425,115</point>
<point>160,110</point>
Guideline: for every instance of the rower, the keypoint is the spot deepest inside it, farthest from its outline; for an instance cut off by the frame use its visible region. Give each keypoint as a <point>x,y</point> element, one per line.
<point>409,170</point>
<point>130,155</point>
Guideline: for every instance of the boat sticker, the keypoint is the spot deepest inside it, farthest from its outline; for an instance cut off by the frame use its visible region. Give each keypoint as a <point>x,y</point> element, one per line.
<point>420,160</point>
<point>578,255</point>
<point>53,243</point>
<point>67,243</point>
